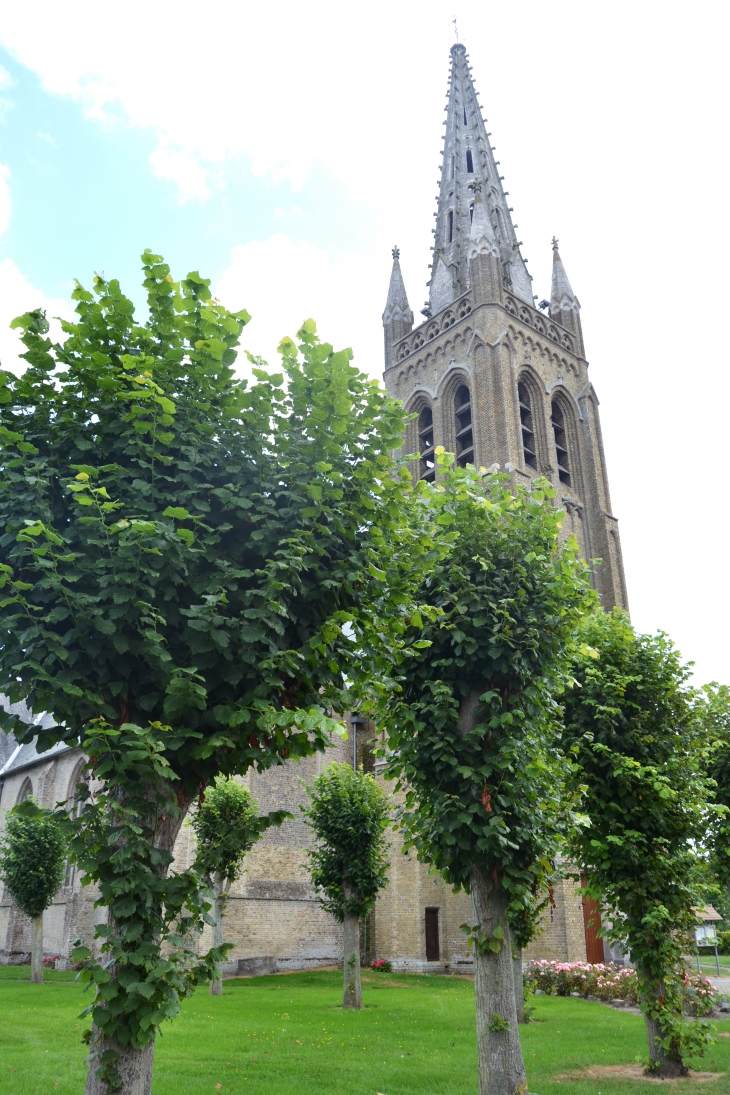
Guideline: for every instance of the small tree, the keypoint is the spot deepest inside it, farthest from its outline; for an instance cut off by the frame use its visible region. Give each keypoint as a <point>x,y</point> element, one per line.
<point>196,571</point>
<point>712,711</point>
<point>348,814</point>
<point>474,729</point>
<point>227,826</point>
<point>631,730</point>
<point>32,865</point>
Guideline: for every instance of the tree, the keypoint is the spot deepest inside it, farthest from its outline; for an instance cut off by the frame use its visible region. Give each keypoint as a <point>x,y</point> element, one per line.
<point>348,814</point>
<point>630,727</point>
<point>227,826</point>
<point>712,710</point>
<point>196,570</point>
<point>473,731</point>
<point>32,866</point>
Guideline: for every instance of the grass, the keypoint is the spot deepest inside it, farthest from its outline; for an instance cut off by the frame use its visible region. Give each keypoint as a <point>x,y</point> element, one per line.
<point>709,968</point>
<point>286,1035</point>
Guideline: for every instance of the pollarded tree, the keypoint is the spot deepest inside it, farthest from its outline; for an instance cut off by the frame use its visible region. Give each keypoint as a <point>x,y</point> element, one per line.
<point>631,730</point>
<point>180,553</point>
<point>348,814</point>
<point>32,865</point>
<point>474,728</point>
<point>712,711</point>
<point>226,826</point>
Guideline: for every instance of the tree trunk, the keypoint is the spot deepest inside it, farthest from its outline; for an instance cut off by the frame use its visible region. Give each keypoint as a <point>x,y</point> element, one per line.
<point>352,994</point>
<point>133,1065</point>
<point>501,1068</point>
<point>216,987</point>
<point>519,982</point>
<point>36,952</point>
<point>666,1064</point>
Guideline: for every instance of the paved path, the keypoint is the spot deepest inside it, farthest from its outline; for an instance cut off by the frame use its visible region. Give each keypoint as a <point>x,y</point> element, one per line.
<point>722,984</point>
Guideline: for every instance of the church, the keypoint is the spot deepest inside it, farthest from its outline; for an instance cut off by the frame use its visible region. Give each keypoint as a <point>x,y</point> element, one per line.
<point>499,378</point>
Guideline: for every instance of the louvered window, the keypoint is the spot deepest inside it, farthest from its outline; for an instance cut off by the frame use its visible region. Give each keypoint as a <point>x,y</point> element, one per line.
<point>469,162</point>
<point>426,445</point>
<point>464,434</point>
<point>528,430</point>
<point>561,443</point>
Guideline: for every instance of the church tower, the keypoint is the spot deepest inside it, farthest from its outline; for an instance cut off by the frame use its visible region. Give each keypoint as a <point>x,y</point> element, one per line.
<point>491,376</point>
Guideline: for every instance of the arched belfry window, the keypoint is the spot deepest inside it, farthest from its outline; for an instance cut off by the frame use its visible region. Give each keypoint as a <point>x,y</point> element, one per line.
<point>561,442</point>
<point>426,445</point>
<point>529,448</point>
<point>469,162</point>
<point>75,807</point>
<point>450,225</point>
<point>464,434</point>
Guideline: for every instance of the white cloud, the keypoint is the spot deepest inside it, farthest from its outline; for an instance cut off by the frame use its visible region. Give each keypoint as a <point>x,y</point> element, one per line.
<point>183,169</point>
<point>5,202</point>
<point>282,282</point>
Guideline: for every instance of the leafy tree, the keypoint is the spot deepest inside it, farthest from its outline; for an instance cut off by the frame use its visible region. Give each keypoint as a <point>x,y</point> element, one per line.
<point>474,730</point>
<point>227,826</point>
<point>630,726</point>
<point>32,866</point>
<point>712,710</point>
<point>348,814</point>
<point>181,553</point>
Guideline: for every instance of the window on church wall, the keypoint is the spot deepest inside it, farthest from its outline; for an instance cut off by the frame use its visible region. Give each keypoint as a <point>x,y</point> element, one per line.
<point>469,162</point>
<point>75,809</point>
<point>471,214</point>
<point>529,448</point>
<point>452,167</point>
<point>464,433</point>
<point>465,121</point>
<point>25,791</point>
<point>561,442</point>
<point>450,225</point>
<point>426,445</point>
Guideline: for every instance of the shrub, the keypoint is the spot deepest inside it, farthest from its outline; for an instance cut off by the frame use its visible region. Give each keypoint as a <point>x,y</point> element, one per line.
<point>614,983</point>
<point>382,965</point>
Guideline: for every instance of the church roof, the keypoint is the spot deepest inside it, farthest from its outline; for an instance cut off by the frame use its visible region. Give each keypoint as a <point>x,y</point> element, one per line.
<point>17,756</point>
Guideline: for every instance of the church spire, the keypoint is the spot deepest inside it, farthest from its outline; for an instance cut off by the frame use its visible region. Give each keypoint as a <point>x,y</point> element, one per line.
<point>397,317</point>
<point>564,304</point>
<point>467,160</point>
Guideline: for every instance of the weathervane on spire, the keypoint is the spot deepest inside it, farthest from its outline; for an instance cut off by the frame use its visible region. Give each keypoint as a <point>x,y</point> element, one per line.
<point>555,243</point>
<point>396,252</point>
<point>456,29</point>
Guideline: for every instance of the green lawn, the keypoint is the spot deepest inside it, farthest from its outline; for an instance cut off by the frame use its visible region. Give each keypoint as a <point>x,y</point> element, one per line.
<point>285,1035</point>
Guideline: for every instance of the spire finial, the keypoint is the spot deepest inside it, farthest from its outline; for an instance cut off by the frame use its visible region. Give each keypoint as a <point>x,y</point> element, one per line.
<point>456,29</point>
<point>555,243</point>
<point>396,252</point>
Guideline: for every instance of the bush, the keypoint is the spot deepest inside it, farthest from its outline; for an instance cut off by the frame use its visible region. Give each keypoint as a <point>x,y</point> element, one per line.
<point>723,942</point>
<point>382,965</point>
<point>613,983</point>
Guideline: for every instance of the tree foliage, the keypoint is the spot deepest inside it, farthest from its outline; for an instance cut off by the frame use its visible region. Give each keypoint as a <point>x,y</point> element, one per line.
<point>195,571</point>
<point>348,813</point>
<point>227,825</point>
<point>630,727</point>
<point>509,595</point>
<point>712,711</point>
<point>32,857</point>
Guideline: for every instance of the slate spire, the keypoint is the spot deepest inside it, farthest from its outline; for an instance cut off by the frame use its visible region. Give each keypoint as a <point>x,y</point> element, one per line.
<point>397,317</point>
<point>468,158</point>
<point>564,304</point>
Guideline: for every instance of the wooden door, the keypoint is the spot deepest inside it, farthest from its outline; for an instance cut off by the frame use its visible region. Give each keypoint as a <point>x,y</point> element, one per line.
<point>591,923</point>
<point>433,951</point>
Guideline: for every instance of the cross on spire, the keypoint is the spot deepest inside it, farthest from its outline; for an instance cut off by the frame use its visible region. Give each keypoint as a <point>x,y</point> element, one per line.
<point>555,243</point>
<point>456,29</point>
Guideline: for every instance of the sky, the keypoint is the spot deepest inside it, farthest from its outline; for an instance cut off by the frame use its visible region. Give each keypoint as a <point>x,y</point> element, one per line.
<point>283,149</point>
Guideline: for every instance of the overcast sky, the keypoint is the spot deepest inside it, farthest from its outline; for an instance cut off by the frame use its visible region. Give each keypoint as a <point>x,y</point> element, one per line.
<point>282,149</point>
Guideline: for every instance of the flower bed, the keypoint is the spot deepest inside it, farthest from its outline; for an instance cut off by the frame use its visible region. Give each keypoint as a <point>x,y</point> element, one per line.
<point>612,983</point>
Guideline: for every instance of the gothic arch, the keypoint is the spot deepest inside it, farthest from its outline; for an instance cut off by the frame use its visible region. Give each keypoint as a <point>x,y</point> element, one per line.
<point>530,406</point>
<point>26,790</point>
<point>563,420</point>
<point>456,382</point>
<point>420,436</point>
